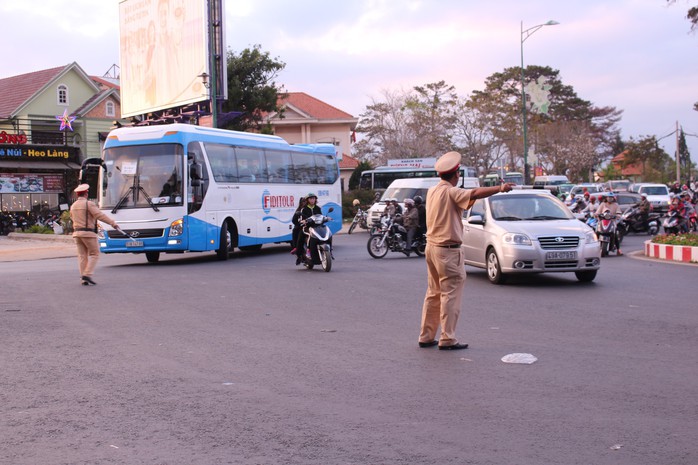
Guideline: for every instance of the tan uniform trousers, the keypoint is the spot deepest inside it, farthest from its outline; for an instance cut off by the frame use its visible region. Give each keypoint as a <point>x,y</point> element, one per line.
<point>442,303</point>
<point>88,254</point>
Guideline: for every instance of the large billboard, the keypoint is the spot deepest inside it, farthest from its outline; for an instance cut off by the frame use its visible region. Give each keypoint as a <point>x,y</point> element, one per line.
<point>164,52</point>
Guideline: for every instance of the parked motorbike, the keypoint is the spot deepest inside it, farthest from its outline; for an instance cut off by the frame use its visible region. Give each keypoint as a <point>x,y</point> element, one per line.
<point>317,249</point>
<point>631,221</point>
<point>391,236</point>
<point>607,231</point>
<point>7,224</point>
<point>674,223</point>
<point>360,219</point>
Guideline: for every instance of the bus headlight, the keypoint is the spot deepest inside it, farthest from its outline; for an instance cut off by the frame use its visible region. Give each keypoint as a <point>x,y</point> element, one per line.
<point>177,228</point>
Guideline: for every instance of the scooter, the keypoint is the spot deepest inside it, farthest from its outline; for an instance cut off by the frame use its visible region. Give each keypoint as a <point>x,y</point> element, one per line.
<point>607,231</point>
<point>317,248</point>
<point>631,221</point>
<point>674,223</point>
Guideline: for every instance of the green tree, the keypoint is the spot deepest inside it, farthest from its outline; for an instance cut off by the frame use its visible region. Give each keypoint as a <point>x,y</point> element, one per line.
<point>355,177</point>
<point>252,88</point>
<point>500,103</point>
<point>657,165</point>
<point>407,124</point>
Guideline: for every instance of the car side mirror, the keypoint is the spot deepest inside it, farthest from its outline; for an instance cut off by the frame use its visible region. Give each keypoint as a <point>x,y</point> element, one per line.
<point>476,219</point>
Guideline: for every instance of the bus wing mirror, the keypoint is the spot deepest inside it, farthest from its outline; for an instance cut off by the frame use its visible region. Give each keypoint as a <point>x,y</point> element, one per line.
<point>330,210</point>
<point>195,171</point>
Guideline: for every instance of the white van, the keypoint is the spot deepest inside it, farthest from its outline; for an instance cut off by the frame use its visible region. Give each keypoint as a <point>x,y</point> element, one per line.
<point>409,188</point>
<point>555,180</point>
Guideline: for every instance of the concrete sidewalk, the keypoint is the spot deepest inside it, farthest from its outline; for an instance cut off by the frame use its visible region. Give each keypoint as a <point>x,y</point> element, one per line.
<point>23,247</point>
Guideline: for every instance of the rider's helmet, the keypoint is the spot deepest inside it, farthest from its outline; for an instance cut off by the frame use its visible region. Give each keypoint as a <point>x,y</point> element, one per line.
<point>310,194</point>
<point>418,200</point>
<point>409,203</point>
<point>610,197</point>
<point>356,202</point>
<point>587,194</point>
<point>643,195</point>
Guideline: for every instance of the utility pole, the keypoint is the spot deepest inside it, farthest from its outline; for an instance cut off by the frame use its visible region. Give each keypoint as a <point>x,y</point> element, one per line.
<point>678,163</point>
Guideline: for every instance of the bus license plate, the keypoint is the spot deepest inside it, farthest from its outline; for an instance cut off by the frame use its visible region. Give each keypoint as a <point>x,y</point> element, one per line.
<point>561,255</point>
<point>134,244</point>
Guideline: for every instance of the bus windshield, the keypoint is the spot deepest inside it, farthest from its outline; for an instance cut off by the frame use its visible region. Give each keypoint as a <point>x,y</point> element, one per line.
<point>142,176</point>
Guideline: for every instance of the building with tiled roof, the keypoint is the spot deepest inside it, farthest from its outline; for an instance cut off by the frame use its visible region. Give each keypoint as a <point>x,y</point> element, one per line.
<point>632,171</point>
<point>50,121</point>
<point>308,120</point>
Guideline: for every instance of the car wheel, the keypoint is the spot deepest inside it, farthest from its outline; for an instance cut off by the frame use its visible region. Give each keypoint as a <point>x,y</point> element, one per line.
<point>494,269</point>
<point>586,276</point>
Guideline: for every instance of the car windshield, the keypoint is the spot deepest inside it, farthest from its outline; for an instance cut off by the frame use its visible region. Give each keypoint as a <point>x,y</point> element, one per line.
<point>402,193</point>
<point>528,208</point>
<point>654,190</point>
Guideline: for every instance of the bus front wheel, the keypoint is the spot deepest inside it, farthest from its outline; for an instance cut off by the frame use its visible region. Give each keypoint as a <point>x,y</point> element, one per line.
<point>152,257</point>
<point>225,244</point>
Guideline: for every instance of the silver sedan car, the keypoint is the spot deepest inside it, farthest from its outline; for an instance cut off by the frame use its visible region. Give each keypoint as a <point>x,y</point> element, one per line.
<point>528,231</point>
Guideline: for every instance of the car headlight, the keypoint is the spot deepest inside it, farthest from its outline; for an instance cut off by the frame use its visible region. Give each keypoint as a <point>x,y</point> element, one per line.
<point>590,237</point>
<point>177,228</point>
<point>516,239</point>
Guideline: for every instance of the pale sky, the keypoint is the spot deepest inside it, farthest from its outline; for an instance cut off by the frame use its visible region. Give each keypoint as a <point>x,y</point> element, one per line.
<point>636,55</point>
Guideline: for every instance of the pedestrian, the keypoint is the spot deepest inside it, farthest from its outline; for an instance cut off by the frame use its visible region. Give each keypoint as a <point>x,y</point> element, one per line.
<point>85,215</point>
<point>444,257</point>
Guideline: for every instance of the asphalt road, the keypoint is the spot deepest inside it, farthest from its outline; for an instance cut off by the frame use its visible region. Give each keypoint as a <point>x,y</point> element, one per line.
<point>255,361</point>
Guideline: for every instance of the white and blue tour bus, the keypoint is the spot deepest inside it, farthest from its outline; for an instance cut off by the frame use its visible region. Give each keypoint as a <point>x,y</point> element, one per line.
<point>178,188</point>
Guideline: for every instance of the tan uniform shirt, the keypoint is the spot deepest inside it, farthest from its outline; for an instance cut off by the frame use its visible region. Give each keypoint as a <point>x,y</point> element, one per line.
<point>83,219</point>
<point>445,205</point>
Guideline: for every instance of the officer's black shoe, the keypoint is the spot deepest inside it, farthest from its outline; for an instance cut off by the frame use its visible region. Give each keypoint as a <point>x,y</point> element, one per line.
<point>457,346</point>
<point>88,280</point>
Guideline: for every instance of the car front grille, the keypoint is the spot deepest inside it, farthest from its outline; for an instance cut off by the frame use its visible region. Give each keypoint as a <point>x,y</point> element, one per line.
<point>559,242</point>
<point>137,233</point>
<point>561,264</point>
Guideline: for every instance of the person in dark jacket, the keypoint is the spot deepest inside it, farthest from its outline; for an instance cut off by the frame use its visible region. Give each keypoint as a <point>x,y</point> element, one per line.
<point>296,220</point>
<point>311,208</point>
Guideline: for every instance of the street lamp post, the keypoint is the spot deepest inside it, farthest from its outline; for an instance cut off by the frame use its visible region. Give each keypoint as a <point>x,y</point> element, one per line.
<point>525,34</point>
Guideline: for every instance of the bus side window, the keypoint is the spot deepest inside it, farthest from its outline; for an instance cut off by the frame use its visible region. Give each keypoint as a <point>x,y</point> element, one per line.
<point>251,164</point>
<point>277,165</point>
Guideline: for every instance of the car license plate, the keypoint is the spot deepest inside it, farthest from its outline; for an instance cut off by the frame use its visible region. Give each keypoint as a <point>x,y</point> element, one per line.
<point>561,255</point>
<point>134,244</point>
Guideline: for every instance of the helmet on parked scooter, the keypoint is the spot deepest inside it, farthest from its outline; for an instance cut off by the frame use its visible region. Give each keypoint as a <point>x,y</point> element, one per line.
<point>356,202</point>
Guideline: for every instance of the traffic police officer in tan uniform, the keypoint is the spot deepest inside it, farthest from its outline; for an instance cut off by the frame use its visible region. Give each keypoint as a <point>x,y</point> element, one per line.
<point>444,257</point>
<point>85,215</point>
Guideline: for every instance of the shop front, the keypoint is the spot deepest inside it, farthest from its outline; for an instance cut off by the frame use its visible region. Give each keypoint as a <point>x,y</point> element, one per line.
<point>35,179</point>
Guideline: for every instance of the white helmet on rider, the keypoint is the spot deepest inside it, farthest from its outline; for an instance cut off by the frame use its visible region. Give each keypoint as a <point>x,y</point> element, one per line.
<point>409,202</point>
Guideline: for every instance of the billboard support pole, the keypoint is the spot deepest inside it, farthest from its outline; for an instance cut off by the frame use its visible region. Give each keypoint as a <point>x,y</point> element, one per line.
<point>213,89</point>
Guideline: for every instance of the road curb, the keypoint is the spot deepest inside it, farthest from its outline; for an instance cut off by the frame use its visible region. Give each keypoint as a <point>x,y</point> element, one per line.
<point>671,253</point>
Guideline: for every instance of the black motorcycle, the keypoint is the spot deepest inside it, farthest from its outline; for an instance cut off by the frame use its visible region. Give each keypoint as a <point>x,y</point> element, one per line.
<point>391,235</point>
<point>631,221</point>
<point>360,219</point>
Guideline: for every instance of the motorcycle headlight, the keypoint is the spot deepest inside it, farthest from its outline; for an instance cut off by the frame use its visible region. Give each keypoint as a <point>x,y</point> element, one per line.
<point>590,237</point>
<point>176,228</point>
<point>516,239</point>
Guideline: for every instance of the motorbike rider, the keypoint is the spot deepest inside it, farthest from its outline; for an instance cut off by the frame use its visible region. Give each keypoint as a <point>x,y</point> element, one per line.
<point>296,220</point>
<point>688,207</point>
<point>389,207</point>
<point>610,205</point>
<point>590,209</point>
<point>411,222</point>
<point>398,208</point>
<point>644,208</point>
<point>311,208</point>
<point>421,209</point>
